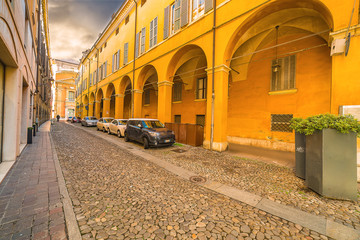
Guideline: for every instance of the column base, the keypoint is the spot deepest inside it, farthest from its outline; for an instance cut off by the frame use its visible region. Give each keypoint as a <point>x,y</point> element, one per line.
<point>217,146</point>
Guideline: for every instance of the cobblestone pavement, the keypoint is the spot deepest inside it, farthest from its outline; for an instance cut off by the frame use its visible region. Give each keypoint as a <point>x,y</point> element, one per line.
<point>117,195</point>
<point>271,181</point>
<point>30,202</point>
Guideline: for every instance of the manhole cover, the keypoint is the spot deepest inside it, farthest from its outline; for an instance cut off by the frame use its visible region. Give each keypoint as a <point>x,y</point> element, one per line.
<point>179,150</point>
<point>197,179</point>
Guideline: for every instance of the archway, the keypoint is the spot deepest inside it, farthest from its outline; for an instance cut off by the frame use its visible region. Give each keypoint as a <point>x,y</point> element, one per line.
<point>92,104</point>
<point>279,59</point>
<point>100,103</point>
<point>148,78</point>
<point>187,71</point>
<point>125,89</point>
<point>110,94</point>
<point>86,106</point>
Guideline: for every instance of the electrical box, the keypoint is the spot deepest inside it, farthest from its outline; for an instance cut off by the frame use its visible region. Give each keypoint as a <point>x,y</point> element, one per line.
<point>337,47</point>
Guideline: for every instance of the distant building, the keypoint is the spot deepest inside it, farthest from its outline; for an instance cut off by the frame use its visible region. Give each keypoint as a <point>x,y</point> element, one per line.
<point>25,73</point>
<point>64,91</point>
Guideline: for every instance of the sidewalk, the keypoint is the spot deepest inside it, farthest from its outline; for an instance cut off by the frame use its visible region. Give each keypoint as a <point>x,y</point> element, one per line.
<point>30,200</point>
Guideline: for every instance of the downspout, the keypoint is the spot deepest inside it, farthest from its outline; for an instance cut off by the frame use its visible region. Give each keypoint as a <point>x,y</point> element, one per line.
<point>213,82</point>
<point>97,78</point>
<point>133,80</point>
<point>38,63</point>
<point>2,113</point>
<point>88,85</point>
<point>82,82</point>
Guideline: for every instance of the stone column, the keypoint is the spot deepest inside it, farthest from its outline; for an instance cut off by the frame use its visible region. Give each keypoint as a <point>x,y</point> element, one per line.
<point>164,101</point>
<point>119,106</point>
<point>137,103</point>
<point>220,110</point>
<point>106,107</point>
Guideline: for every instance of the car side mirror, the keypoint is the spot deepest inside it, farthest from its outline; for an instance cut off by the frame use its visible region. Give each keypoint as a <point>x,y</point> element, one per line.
<point>139,125</point>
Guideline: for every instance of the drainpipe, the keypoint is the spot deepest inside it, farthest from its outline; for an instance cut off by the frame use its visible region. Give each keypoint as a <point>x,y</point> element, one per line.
<point>2,113</point>
<point>133,80</point>
<point>38,63</point>
<point>88,85</point>
<point>213,82</point>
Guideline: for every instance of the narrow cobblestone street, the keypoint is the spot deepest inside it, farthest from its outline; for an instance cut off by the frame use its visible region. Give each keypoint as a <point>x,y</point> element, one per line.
<point>117,195</point>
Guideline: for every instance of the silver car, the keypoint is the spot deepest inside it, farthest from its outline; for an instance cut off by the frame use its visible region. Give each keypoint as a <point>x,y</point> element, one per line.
<point>89,121</point>
<point>117,126</point>
<point>103,123</point>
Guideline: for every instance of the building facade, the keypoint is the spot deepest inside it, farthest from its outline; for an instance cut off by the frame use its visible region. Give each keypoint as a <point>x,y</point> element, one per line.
<point>64,88</point>
<point>242,69</point>
<point>24,75</point>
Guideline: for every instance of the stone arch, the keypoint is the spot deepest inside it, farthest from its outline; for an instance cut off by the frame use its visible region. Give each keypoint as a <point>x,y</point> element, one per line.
<point>148,83</point>
<point>99,103</point>
<point>92,100</point>
<point>9,38</point>
<point>110,94</point>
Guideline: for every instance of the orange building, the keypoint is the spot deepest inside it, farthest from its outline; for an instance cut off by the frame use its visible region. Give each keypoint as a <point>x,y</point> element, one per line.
<point>64,92</point>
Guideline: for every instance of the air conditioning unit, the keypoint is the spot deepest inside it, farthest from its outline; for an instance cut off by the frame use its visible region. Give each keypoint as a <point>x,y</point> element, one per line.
<point>337,47</point>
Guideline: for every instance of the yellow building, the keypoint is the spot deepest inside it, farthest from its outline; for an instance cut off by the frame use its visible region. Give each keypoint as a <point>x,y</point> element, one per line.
<point>243,69</point>
<point>64,92</point>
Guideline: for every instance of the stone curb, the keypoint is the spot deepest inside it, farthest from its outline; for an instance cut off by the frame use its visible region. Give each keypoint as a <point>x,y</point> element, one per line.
<point>313,222</point>
<point>70,219</point>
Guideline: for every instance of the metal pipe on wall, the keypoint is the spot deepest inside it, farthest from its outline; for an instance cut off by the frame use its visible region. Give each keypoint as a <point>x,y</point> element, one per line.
<point>133,80</point>
<point>213,81</point>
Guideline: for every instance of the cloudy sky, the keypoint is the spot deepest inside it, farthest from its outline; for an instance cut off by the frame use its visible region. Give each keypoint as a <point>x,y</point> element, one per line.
<point>75,25</point>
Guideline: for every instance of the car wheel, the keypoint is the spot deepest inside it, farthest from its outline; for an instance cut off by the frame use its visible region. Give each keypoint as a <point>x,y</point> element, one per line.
<point>104,130</point>
<point>109,131</point>
<point>126,138</point>
<point>119,134</point>
<point>146,143</point>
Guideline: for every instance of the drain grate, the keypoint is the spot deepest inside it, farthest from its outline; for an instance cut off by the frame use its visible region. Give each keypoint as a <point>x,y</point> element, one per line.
<point>179,150</point>
<point>197,179</point>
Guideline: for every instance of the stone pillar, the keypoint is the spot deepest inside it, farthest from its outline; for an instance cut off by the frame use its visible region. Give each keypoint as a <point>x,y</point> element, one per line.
<point>119,106</point>
<point>106,107</point>
<point>220,109</point>
<point>91,110</point>
<point>137,103</point>
<point>97,109</point>
<point>164,101</point>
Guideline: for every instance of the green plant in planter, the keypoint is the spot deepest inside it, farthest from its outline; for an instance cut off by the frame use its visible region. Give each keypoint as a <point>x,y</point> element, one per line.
<point>343,124</point>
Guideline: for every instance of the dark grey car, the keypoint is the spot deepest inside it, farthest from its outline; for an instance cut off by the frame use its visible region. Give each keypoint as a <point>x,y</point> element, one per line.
<point>149,132</point>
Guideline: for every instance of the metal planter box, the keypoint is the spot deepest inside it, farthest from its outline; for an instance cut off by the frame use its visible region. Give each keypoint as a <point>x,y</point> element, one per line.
<point>300,160</point>
<point>331,164</point>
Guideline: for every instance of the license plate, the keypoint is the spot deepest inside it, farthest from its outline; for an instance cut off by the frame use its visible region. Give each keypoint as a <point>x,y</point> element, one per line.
<point>167,140</point>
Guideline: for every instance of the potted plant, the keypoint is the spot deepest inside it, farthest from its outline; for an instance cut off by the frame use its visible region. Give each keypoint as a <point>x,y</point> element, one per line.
<point>29,135</point>
<point>330,154</point>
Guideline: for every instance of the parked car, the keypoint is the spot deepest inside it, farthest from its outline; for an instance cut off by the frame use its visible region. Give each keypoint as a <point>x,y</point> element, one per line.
<point>103,123</point>
<point>149,132</point>
<point>76,120</point>
<point>117,126</point>
<point>69,118</point>
<point>89,121</point>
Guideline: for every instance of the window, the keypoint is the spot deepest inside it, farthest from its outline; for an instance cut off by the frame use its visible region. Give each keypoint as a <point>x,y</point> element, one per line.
<point>12,2</point>
<point>147,96</point>
<point>200,120</point>
<point>105,69</point>
<point>115,63</point>
<point>105,44</point>
<point>153,32</point>
<point>281,122</point>
<point>91,80</point>
<point>143,2</point>
<point>283,73</point>
<point>126,19</point>
<point>177,91</point>
<point>175,17</point>
<point>126,50</point>
<point>177,118</point>
<point>201,88</point>
<point>71,96</point>
<point>117,31</point>
<point>142,50</point>
<point>198,8</point>
<point>101,49</point>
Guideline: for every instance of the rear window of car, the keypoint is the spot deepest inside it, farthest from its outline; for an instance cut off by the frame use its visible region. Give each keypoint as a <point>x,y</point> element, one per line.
<point>108,120</point>
<point>92,118</point>
<point>122,122</point>
<point>152,124</point>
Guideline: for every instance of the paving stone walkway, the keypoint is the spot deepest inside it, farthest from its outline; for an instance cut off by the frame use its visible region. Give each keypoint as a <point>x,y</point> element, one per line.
<point>30,201</point>
<point>118,195</point>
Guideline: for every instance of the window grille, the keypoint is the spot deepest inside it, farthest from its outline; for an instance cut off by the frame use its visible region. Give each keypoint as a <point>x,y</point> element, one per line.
<point>283,73</point>
<point>177,118</point>
<point>281,122</point>
<point>200,120</point>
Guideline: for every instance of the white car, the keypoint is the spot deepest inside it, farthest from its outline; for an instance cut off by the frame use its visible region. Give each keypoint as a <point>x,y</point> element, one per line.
<point>89,121</point>
<point>117,126</point>
<point>103,123</point>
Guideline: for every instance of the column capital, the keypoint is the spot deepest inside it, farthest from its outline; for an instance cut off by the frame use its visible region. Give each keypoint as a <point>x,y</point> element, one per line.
<point>96,101</point>
<point>219,68</point>
<point>120,95</point>
<point>165,83</point>
<point>107,99</point>
<point>91,103</point>
<point>137,91</point>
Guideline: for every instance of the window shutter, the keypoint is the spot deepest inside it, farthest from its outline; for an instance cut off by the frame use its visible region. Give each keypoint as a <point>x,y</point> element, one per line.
<point>292,71</point>
<point>125,53</point>
<point>118,60</point>
<point>143,32</point>
<point>137,45</point>
<point>105,69</point>
<point>166,21</point>
<point>113,63</point>
<point>208,5</point>
<point>155,30</point>
<point>151,33</point>
<point>184,18</point>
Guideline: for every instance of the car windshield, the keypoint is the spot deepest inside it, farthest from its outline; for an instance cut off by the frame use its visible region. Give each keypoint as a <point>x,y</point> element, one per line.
<point>106,120</point>
<point>152,124</point>
<point>93,118</point>
<point>122,122</point>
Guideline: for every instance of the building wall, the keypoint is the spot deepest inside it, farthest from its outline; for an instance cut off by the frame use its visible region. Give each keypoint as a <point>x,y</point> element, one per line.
<point>243,53</point>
